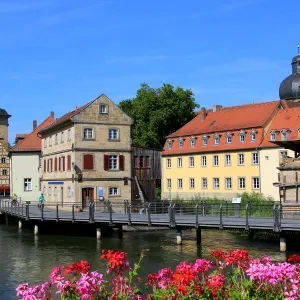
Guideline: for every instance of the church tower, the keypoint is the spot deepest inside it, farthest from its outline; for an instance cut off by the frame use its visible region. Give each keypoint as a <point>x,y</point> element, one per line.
<point>4,116</point>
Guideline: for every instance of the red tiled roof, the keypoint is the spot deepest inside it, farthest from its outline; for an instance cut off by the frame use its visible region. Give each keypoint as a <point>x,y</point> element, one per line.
<point>285,119</point>
<point>229,118</point>
<point>33,141</point>
<point>66,117</point>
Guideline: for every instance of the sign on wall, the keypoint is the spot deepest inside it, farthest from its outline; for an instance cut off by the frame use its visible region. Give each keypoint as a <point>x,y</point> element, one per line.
<point>100,193</point>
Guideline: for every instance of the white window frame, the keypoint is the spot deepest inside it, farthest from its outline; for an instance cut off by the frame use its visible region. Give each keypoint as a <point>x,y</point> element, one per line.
<point>204,183</point>
<point>179,183</point>
<point>55,191</point>
<point>204,141</point>
<point>169,163</point>
<point>216,160</point>
<point>216,140</point>
<point>45,142</point>
<point>242,137</point>
<point>273,136</point>
<point>27,184</point>
<point>49,190</point>
<point>113,162</point>
<point>284,135</point>
<point>191,161</point>
<point>241,183</point>
<point>241,159</point>
<point>69,134</point>
<point>216,183</point>
<point>113,134</point>
<point>50,141</point>
<point>203,161</point>
<point>255,183</point>
<point>56,138</point>
<point>227,159</point>
<point>179,162</point>
<point>255,158</point>
<point>192,183</point>
<point>3,160</point>
<point>169,144</point>
<point>228,138</point>
<point>169,183</point>
<point>69,191</point>
<point>192,142</point>
<point>228,180</point>
<point>180,143</point>
<point>103,108</point>
<point>113,191</point>
<point>4,172</point>
<point>62,137</point>
<point>88,133</point>
<point>283,153</point>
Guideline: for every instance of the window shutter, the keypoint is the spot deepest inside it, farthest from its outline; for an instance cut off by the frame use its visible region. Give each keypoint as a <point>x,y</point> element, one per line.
<point>121,162</point>
<point>48,165</point>
<point>63,164</point>
<point>51,164</point>
<point>59,163</point>
<point>88,161</point>
<point>69,162</point>
<point>105,162</point>
<point>45,166</point>
<point>55,164</point>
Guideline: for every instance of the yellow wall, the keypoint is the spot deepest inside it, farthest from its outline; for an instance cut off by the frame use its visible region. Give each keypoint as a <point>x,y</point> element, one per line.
<point>197,172</point>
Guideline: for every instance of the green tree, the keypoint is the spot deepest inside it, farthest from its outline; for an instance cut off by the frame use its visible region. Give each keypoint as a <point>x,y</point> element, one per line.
<point>158,113</point>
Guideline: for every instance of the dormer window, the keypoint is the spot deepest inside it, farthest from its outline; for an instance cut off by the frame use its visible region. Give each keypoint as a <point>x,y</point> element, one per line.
<point>228,138</point>
<point>299,132</point>
<point>192,141</point>
<point>253,136</point>
<point>284,135</point>
<point>205,140</point>
<point>273,136</point>
<point>180,143</point>
<point>170,143</point>
<point>242,136</point>
<point>216,139</point>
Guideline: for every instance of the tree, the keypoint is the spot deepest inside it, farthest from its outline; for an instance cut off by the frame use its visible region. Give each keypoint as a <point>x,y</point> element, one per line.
<point>158,113</point>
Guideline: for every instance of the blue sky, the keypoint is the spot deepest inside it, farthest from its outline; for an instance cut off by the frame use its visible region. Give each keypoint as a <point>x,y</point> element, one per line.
<point>62,53</point>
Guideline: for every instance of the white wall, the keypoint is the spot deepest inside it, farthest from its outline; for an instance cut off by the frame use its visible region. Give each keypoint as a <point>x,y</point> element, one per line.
<point>269,162</point>
<point>25,165</point>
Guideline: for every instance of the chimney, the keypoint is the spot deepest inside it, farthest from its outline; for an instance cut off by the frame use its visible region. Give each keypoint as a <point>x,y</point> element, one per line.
<point>52,114</point>
<point>203,113</point>
<point>217,107</point>
<point>34,124</point>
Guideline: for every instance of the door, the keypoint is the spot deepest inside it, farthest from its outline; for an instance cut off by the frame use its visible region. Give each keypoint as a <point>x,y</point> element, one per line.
<point>87,196</point>
<point>62,196</point>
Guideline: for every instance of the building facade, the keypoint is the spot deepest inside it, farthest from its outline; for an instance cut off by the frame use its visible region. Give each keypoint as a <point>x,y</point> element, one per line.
<point>25,163</point>
<point>4,149</point>
<point>86,155</point>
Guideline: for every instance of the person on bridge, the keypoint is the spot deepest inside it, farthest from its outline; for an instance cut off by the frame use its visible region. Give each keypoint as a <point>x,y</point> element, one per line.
<point>41,201</point>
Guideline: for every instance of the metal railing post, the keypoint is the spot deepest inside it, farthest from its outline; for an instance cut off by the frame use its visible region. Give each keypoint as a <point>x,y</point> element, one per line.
<point>73,213</point>
<point>27,211</point>
<point>42,212</point>
<point>203,209</point>
<point>279,208</point>
<point>247,216</point>
<point>275,218</point>
<point>19,210</point>
<point>170,215</point>
<point>180,209</point>
<point>110,213</point>
<point>197,217</point>
<point>91,212</point>
<point>129,214</point>
<point>173,215</point>
<point>148,212</point>
<point>125,207</point>
<point>221,220</point>
<point>163,207</point>
<point>57,216</point>
<point>226,208</point>
<point>22,210</point>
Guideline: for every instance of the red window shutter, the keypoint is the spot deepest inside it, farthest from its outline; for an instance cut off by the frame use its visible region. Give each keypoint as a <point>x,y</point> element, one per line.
<point>69,162</point>
<point>121,162</point>
<point>63,164</point>
<point>45,166</point>
<point>59,163</point>
<point>48,165</point>
<point>105,162</point>
<point>55,164</point>
<point>51,164</point>
<point>88,161</point>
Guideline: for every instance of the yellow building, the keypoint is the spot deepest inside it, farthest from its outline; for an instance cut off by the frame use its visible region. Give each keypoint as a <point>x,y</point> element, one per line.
<point>223,152</point>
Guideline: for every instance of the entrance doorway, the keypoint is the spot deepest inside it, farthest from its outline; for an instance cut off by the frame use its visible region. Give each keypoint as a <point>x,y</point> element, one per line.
<point>87,196</point>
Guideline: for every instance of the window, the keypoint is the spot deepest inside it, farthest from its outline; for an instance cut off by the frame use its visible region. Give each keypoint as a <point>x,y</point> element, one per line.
<point>283,153</point>
<point>192,162</point>
<point>242,137</point>
<point>62,137</point>
<point>228,183</point>
<point>45,143</point>
<point>49,190</point>
<point>192,142</point>
<point>217,140</point>
<point>179,183</point>
<point>3,160</point>
<point>113,134</point>
<point>69,134</point>
<point>273,136</point>
<point>204,140</point>
<point>242,183</point>
<point>142,162</point>
<point>179,162</point>
<point>284,135</point>
<point>253,136</point>
<point>55,191</point>
<point>255,183</point>
<point>27,184</point>
<point>255,158</point>
<point>113,191</point>
<point>203,161</point>
<point>69,162</point>
<point>147,161</point>
<point>103,109</point>
<point>228,160</point>
<point>266,157</point>
<point>241,159</point>
<point>55,164</point>
<point>169,163</point>
<point>4,172</point>
<point>216,161</point>
<point>216,183</point>
<point>170,143</point>
<point>180,143</point>
<point>169,183</point>
<point>229,138</point>
<point>192,183</point>
<point>50,141</point>
<point>113,162</point>
<point>45,166</point>
<point>88,133</point>
<point>70,194</point>
<point>204,183</point>
<point>56,139</point>
<point>299,128</point>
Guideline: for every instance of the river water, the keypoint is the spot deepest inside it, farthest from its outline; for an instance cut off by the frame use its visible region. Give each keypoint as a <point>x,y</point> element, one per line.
<point>28,258</point>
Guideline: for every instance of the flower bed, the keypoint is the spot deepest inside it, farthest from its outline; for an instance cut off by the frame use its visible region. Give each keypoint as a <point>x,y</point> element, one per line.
<point>230,275</point>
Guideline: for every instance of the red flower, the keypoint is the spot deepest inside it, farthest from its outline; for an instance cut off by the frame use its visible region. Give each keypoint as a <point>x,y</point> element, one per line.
<point>152,279</point>
<point>181,289</point>
<point>116,261</point>
<point>295,258</point>
<point>78,267</point>
<point>217,254</point>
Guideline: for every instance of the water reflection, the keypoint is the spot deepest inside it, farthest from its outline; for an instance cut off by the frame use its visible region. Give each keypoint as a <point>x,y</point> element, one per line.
<point>25,257</point>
